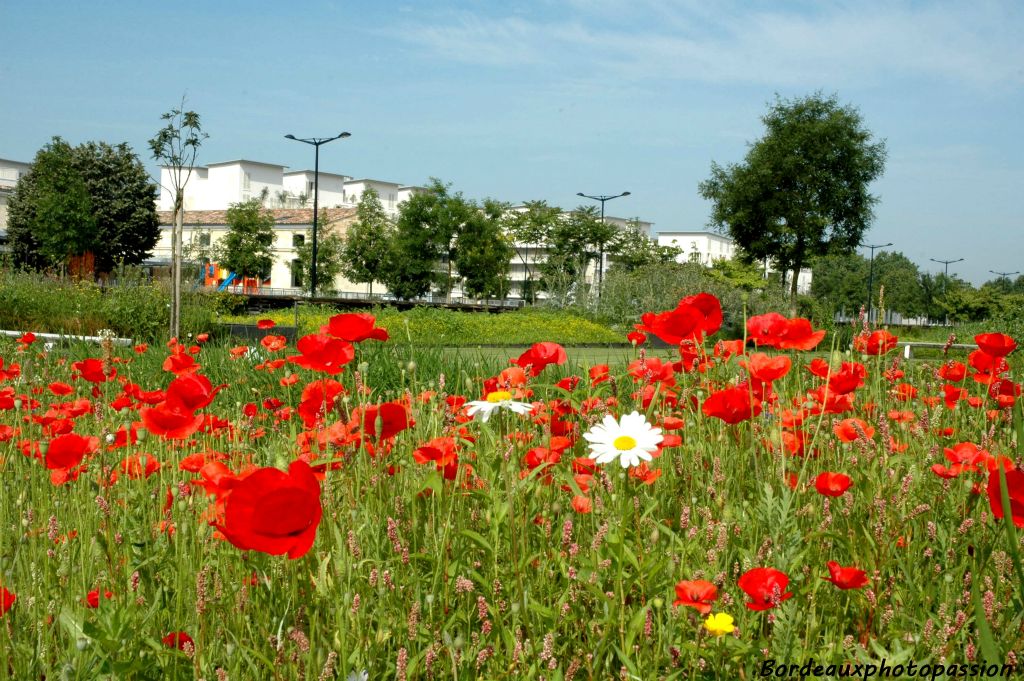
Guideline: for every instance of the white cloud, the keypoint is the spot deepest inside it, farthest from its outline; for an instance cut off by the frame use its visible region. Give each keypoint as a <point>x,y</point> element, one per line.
<point>973,45</point>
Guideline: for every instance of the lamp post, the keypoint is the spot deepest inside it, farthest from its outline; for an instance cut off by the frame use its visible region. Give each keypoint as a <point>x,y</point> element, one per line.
<point>316,142</point>
<point>871,275</point>
<point>1003,274</point>
<point>945,277</point>
<point>600,265</point>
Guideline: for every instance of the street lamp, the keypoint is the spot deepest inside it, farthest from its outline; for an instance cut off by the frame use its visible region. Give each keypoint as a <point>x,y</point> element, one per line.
<point>602,199</point>
<point>945,277</point>
<point>871,275</point>
<point>316,142</point>
<point>1003,274</point>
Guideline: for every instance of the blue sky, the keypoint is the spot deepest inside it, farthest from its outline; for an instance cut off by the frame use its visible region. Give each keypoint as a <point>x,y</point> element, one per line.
<point>540,100</point>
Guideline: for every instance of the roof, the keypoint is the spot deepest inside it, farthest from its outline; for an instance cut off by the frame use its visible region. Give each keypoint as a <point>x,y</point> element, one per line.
<point>696,232</point>
<point>366,179</point>
<point>313,172</point>
<point>244,160</point>
<point>282,216</point>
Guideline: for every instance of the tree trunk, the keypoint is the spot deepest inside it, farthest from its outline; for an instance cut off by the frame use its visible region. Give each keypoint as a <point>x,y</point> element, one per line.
<point>176,239</point>
<point>793,287</point>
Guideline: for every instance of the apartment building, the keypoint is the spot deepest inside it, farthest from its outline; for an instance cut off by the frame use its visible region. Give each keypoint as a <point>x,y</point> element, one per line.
<point>10,173</point>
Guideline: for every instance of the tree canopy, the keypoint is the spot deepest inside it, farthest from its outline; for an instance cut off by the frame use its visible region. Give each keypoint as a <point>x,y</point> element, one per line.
<point>803,188</point>
<point>246,249</point>
<point>94,198</point>
<point>364,255</point>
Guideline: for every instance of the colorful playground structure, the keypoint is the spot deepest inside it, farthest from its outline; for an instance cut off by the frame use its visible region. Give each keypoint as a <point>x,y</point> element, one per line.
<point>223,280</point>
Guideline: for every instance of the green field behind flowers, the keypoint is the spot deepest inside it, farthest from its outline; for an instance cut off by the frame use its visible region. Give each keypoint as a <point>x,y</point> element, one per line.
<point>520,559</point>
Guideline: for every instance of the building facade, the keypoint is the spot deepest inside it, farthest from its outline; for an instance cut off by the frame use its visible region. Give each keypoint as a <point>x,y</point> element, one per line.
<point>10,173</point>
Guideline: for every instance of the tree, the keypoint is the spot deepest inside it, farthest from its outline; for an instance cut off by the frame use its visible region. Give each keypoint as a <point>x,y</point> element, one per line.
<point>576,240</point>
<point>176,145</point>
<point>329,257</point>
<point>424,240</point>
<point>364,255</point>
<point>483,251</point>
<point>246,249</point>
<point>840,282</point>
<point>530,229</point>
<point>900,279</point>
<point>94,198</point>
<point>802,189</point>
<point>631,249</point>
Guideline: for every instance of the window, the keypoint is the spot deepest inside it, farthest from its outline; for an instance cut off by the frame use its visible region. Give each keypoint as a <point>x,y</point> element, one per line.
<point>299,240</point>
<point>246,181</point>
<point>204,238</point>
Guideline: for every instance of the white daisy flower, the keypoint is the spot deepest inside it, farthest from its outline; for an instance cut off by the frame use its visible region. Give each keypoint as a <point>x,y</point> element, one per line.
<point>630,440</point>
<point>499,399</point>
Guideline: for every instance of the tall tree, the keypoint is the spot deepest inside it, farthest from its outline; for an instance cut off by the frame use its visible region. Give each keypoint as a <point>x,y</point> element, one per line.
<point>802,189</point>
<point>530,229</point>
<point>247,248</point>
<point>575,242</point>
<point>423,249</point>
<point>329,257</point>
<point>483,251</point>
<point>364,255</point>
<point>176,146</point>
<point>631,249</point>
<point>94,198</point>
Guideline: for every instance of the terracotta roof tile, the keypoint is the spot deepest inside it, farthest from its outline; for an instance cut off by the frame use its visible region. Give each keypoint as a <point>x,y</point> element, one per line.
<point>282,216</point>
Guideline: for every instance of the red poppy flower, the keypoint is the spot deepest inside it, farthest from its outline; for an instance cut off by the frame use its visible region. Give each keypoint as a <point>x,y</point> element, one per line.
<point>846,577</point>
<point>170,423</point>
<point>179,363</point>
<point>832,484</point>
<point>59,389</point>
<point>67,451</point>
<point>995,344</point>
<point>636,337</point>
<point>6,600</point>
<point>266,324</point>
<point>92,370</point>
<point>178,639</point>
<point>274,512</point>
<point>394,418</point>
<point>92,599</point>
<point>697,594</point>
<point>774,330</point>
<point>766,368</point>
<point>354,327</point>
<point>877,343</point>
<point>539,356</point>
<point>321,352</point>
<point>851,430</point>
<point>849,377</point>
<point>766,587</point>
<point>191,392</point>
<point>582,504</point>
<point>732,405</point>
<point>319,399</point>
<point>12,371</point>
<point>274,343</point>
<point>441,451</point>
<point>1015,487</point>
<point>139,466</point>
<point>953,371</point>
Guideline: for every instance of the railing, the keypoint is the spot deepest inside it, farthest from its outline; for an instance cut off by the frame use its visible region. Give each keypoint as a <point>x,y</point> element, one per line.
<point>511,303</point>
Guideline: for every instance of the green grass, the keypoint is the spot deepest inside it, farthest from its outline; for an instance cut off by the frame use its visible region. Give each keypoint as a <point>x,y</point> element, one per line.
<point>494,575</point>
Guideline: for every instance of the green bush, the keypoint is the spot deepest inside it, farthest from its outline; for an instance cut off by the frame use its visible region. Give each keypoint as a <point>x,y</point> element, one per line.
<point>437,327</point>
<point>134,308</point>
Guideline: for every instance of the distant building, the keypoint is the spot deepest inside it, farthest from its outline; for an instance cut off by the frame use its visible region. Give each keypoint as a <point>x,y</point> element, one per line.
<point>216,186</point>
<point>705,248</point>
<point>202,229</point>
<point>10,173</point>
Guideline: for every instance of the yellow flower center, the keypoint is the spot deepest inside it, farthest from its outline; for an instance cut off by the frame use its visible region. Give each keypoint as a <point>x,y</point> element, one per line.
<point>499,396</point>
<point>624,443</point>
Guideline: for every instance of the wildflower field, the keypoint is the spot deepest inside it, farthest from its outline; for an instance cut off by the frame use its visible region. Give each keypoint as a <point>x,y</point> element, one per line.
<point>347,508</point>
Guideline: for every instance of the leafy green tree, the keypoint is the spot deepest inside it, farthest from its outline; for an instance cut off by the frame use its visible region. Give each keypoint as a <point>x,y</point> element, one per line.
<point>364,256</point>
<point>744,276</point>
<point>93,198</point>
<point>330,252</point>
<point>630,249</point>
<point>839,282</point>
<point>246,249</point>
<point>900,279</point>
<point>530,229</point>
<point>802,189</point>
<point>574,243</point>
<point>424,246</point>
<point>483,251</point>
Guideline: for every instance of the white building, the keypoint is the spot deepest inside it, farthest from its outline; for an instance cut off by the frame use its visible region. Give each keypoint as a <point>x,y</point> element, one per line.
<point>10,173</point>
<point>202,229</point>
<point>705,248</point>
<point>216,186</point>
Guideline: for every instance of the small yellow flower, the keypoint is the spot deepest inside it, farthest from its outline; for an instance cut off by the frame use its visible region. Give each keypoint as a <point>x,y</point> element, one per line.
<point>719,624</point>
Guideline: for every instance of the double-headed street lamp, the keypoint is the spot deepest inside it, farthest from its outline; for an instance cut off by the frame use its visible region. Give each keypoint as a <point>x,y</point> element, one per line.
<point>602,199</point>
<point>316,142</point>
<point>1003,275</point>
<point>871,275</point>
<point>945,277</point>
